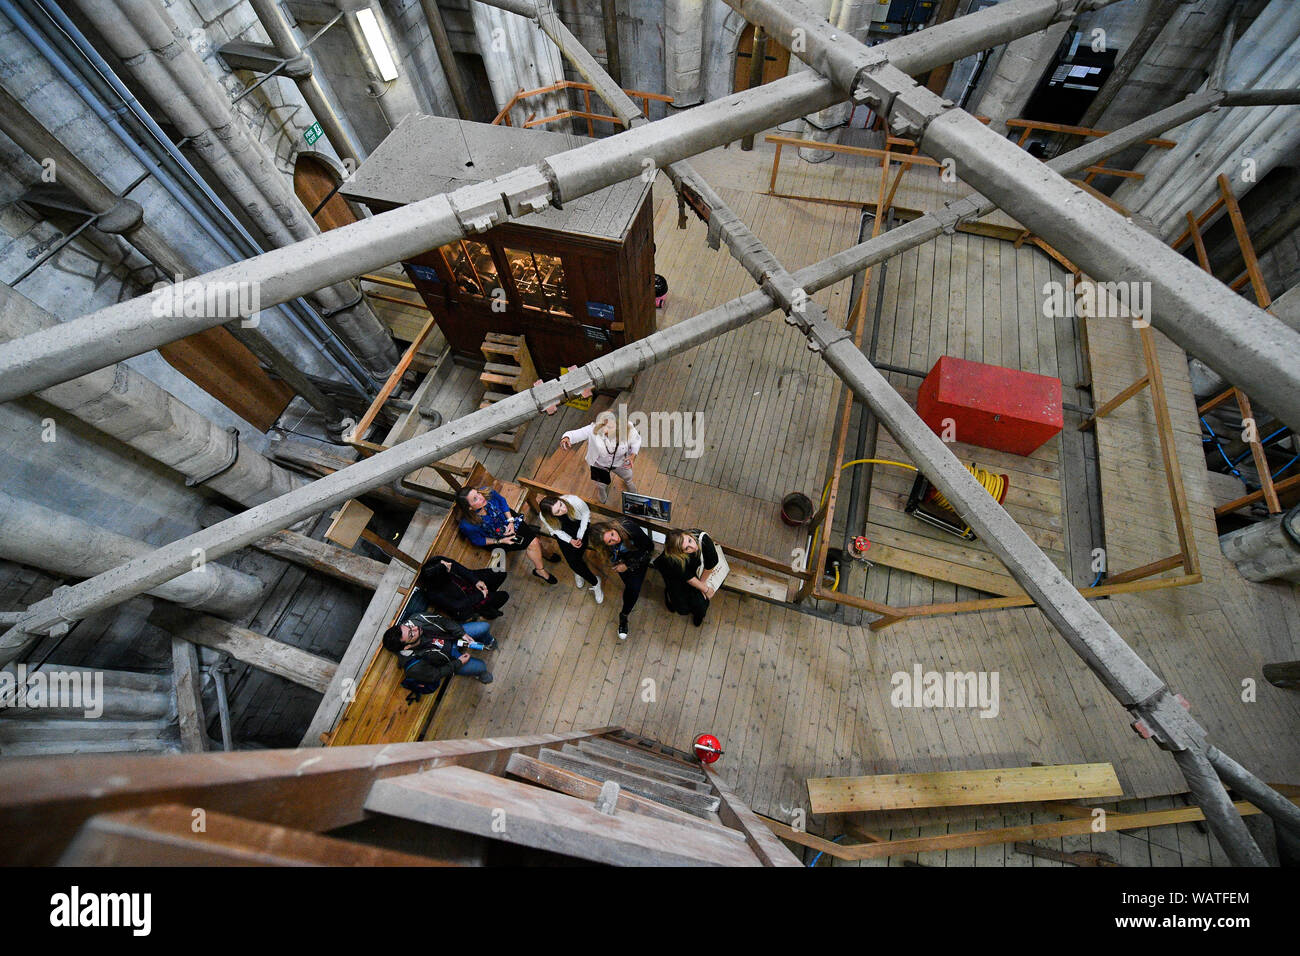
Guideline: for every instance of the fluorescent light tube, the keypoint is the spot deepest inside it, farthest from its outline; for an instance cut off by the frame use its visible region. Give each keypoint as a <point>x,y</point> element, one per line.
<point>378,47</point>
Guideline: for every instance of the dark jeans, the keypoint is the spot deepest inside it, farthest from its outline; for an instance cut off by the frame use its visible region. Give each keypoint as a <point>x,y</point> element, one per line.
<point>472,668</point>
<point>576,559</point>
<point>632,581</point>
<point>685,599</point>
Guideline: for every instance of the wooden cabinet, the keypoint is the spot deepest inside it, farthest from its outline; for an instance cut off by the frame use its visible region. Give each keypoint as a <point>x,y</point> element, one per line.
<point>575,282</point>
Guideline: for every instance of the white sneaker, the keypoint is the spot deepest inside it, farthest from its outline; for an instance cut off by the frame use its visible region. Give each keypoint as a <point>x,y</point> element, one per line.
<point>579,583</point>
<point>598,593</point>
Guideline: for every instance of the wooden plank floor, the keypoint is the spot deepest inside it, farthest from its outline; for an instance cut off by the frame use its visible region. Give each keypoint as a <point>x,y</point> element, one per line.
<point>793,695</point>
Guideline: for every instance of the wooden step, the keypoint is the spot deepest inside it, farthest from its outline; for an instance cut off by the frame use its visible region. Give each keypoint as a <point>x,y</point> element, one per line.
<point>647,745</point>
<point>498,808</point>
<point>674,759</point>
<point>760,582</point>
<point>586,788</point>
<point>629,759</point>
<point>488,378</point>
<point>690,800</point>
<point>653,773</point>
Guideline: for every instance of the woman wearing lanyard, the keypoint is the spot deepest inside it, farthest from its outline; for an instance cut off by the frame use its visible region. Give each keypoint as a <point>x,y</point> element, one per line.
<point>608,450</point>
<point>565,519</point>
<point>628,549</point>
<point>487,521</point>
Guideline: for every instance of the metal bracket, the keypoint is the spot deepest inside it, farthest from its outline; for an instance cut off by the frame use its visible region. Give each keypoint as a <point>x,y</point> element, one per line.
<point>222,468</point>
<point>330,313</point>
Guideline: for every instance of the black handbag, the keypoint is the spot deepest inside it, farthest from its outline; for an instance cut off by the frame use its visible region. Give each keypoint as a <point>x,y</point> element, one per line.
<point>601,476</point>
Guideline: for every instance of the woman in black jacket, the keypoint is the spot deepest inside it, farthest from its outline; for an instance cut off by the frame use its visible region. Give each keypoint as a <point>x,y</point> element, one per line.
<point>460,593</point>
<point>688,558</point>
<point>628,550</point>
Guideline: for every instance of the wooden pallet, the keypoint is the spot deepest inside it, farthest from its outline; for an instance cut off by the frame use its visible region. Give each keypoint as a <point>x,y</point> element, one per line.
<point>508,369</point>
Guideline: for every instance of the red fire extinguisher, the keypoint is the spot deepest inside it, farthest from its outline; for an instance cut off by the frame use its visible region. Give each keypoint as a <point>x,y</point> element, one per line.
<point>708,748</point>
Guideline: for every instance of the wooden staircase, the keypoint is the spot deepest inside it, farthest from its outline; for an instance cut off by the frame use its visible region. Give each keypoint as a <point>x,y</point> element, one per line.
<point>508,369</point>
<point>602,796</point>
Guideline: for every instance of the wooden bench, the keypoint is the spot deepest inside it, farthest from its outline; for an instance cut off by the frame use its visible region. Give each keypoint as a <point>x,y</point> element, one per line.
<point>379,713</point>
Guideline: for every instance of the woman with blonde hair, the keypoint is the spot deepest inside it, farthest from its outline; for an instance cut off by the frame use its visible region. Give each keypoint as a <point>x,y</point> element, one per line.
<point>612,447</point>
<point>687,565</point>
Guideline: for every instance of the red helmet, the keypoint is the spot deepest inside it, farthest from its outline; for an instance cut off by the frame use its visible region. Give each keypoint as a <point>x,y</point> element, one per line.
<point>708,748</point>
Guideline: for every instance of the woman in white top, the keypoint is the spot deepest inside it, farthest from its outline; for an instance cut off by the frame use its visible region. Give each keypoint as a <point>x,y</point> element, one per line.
<point>608,451</point>
<point>565,518</point>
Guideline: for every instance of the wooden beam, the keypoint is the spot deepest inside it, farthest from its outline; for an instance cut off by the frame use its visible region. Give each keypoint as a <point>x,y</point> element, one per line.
<point>249,647</point>
<point>1115,402</point>
<point>1169,454</point>
<point>1115,822</point>
<point>165,835</point>
<point>1243,240</point>
<point>324,558</point>
<point>1146,570</point>
<point>188,682</point>
<point>1257,455</point>
<point>962,788</point>
<point>1282,486</point>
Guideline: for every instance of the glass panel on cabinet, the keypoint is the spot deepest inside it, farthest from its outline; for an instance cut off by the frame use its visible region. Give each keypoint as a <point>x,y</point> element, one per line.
<point>473,268</point>
<point>540,280</point>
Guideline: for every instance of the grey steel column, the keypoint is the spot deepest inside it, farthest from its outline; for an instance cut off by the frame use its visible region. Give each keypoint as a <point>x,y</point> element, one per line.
<point>286,45</point>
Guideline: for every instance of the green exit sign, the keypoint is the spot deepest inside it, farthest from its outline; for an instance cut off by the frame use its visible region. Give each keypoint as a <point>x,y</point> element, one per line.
<point>312,134</point>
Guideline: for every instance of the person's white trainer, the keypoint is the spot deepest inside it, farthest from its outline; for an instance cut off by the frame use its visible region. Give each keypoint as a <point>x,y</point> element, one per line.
<point>579,583</point>
<point>598,593</point>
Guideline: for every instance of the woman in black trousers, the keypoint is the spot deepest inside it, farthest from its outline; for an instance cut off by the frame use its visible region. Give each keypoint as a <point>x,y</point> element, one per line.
<point>688,558</point>
<point>460,593</point>
<point>628,550</point>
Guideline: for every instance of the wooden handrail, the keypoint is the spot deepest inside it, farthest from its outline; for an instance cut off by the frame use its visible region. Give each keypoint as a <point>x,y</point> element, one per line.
<point>1032,125</point>
<point>740,554</point>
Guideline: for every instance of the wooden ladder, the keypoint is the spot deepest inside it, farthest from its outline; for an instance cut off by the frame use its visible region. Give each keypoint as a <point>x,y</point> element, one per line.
<point>508,365</point>
<point>601,795</point>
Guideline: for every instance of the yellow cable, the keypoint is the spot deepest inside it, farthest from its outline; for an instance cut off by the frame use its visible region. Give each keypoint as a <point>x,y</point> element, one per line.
<point>993,484</point>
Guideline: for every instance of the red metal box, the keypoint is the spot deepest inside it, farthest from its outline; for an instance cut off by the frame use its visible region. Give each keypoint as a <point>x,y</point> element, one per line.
<point>990,406</point>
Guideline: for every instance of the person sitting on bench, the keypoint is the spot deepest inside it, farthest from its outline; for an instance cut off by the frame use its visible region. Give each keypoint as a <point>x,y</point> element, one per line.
<point>440,648</point>
<point>487,520</point>
<point>688,558</point>
<point>460,593</point>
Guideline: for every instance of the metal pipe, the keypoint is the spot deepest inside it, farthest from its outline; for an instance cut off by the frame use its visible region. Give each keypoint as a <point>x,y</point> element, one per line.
<point>133,409</point>
<point>41,537</point>
<point>447,57</point>
<point>757,58</point>
<point>24,129</point>
<point>1283,811</point>
<point>1221,816</point>
<point>49,30</point>
<point>223,705</point>
<point>286,45</point>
